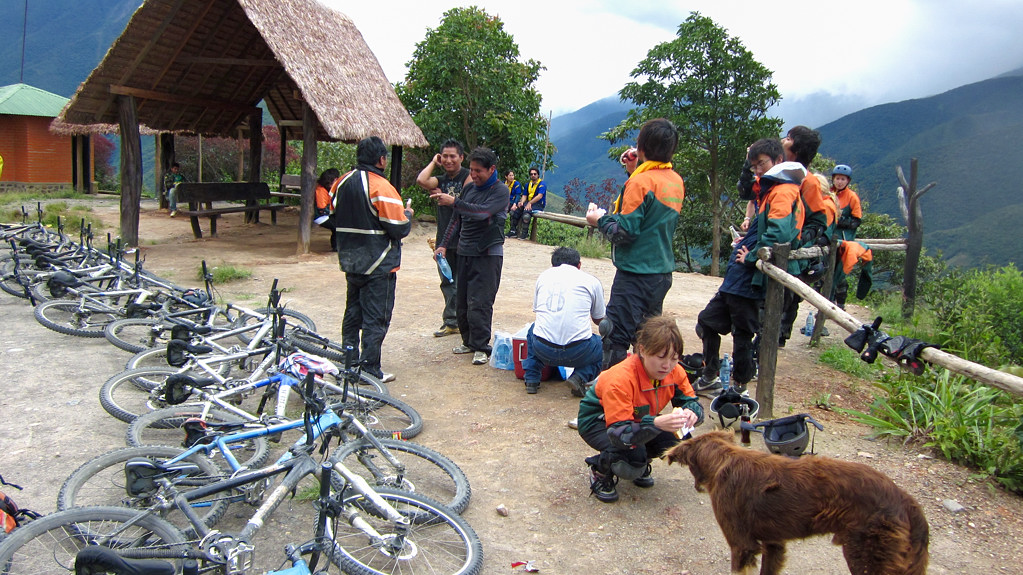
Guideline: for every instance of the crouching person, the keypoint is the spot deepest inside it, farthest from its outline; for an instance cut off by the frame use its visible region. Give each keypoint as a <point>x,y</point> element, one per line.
<point>621,415</point>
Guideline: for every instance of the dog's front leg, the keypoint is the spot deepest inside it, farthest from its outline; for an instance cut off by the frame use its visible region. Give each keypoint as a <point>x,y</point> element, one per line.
<point>773,559</point>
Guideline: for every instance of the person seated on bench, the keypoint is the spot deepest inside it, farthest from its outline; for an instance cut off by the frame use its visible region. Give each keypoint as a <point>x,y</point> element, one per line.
<point>170,182</point>
<point>323,216</point>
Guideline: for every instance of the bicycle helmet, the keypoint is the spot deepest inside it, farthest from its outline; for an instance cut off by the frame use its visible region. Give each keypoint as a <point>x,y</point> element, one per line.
<point>842,170</point>
<point>693,365</point>
<point>727,409</point>
<point>785,435</point>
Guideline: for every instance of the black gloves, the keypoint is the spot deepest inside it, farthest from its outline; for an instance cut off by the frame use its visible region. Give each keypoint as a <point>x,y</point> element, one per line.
<point>904,350</point>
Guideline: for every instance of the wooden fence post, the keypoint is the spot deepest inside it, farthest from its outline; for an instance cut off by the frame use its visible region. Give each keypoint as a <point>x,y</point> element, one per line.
<point>769,332</point>
<point>826,287</point>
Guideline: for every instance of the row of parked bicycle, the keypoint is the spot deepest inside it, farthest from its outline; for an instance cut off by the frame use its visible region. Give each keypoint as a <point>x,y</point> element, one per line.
<point>210,388</point>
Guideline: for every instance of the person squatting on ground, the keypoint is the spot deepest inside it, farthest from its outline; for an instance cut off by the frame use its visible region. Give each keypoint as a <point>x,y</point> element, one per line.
<point>850,215</point>
<point>566,299</point>
<point>620,416</point>
<point>478,227</point>
<point>451,181</point>
<point>640,228</point>
<point>735,307</point>
<point>371,223</point>
<point>323,216</point>
<point>533,200</point>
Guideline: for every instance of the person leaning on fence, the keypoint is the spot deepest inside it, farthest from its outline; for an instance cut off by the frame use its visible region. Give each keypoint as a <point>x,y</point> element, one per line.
<point>565,300</point>
<point>620,416</point>
<point>735,308</point>
<point>640,227</point>
<point>323,215</point>
<point>452,179</point>
<point>850,215</point>
<point>371,222</point>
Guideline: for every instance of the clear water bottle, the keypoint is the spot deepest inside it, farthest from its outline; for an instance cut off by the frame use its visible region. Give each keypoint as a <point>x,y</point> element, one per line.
<point>808,330</point>
<point>725,373</point>
<point>501,358</point>
<point>444,267</point>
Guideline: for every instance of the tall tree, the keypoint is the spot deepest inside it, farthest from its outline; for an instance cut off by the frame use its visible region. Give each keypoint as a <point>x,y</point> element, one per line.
<point>466,81</point>
<point>709,85</point>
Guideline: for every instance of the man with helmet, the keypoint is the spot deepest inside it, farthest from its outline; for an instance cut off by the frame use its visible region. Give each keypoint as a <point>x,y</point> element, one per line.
<point>850,215</point>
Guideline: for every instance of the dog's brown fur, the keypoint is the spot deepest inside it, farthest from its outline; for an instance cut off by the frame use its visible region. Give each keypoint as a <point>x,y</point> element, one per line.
<point>762,500</point>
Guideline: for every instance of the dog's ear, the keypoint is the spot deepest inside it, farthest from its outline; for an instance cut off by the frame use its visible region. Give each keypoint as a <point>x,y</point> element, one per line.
<point>677,454</point>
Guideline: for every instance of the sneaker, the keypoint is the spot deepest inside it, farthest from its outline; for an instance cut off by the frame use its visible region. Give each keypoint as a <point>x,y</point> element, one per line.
<point>532,388</point>
<point>573,423</point>
<point>603,486</point>
<point>577,384</point>
<point>387,378</point>
<point>644,480</point>
<point>461,349</point>
<point>703,386</point>
<point>446,330</point>
<point>480,357</point>
<point>173,213</point>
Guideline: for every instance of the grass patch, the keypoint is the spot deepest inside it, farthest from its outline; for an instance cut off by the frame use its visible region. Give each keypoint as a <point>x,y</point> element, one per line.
<point>32,197</point>
<point>73,217</point>
<point>848,361</point>
<point>225,273</point>
<point>556,234</point>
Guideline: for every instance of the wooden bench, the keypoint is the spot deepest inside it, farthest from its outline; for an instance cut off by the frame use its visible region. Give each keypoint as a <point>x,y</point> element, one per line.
<point>289,182</point>
<point>577,221</point>
<point>207,193</point>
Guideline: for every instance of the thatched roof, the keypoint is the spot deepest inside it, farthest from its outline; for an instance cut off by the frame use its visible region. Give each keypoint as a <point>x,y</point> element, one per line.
<point>201,66</point>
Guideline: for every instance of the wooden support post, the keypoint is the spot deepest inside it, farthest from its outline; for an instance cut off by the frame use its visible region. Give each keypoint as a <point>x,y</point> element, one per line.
<point>131,170</point>
<point>826,287</point>
<point>282,165</point>
<point>164,159</point>
<point>396,168</point>
<point>255,158</point>
<point>774,301</point>
<point>306,204</point>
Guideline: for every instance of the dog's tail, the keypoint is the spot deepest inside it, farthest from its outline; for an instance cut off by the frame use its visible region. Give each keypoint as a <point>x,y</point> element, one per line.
<point>919,537</point>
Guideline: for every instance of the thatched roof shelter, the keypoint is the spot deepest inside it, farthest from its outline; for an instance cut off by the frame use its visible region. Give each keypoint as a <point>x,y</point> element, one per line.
<point>202,66</point>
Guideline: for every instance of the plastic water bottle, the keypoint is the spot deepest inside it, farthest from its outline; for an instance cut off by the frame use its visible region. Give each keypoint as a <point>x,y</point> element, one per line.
<point>809,324</point>
<point>502,356</point>
<point>725,373</point>
<point>445,268</point>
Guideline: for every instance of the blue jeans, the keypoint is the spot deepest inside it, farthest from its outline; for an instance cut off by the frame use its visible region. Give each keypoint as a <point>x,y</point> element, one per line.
<point>584,356</point>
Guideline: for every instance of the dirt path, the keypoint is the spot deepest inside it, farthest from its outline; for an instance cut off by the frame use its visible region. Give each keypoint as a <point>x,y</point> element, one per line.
<point>515,448</point>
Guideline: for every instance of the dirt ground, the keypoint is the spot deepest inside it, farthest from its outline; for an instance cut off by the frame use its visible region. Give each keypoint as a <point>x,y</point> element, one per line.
<point>515,448</point>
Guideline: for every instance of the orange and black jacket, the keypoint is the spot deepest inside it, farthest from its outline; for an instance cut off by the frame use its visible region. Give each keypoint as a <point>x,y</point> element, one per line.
<point>370,222</point>
<point>626,401</point>
<point>850,213</point>
<point>781,213</point>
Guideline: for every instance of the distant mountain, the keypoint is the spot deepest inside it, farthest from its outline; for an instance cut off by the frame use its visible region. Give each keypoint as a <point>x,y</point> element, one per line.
<point>581,153</point>
<point>969,140</point>
<point>815,109</point>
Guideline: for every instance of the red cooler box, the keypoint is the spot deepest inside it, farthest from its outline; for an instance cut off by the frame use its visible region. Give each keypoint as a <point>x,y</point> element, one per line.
<point>519,355</point>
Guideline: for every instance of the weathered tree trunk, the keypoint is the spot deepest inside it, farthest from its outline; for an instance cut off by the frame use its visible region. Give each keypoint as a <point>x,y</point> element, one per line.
<point>131,170</point>
<point>305,212</point>
<point>769,332</point>
<point>909,199</point>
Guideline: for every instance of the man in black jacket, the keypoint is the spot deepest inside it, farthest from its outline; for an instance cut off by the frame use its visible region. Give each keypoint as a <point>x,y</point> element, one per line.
<point>478,224</point>
<point>371,222</point>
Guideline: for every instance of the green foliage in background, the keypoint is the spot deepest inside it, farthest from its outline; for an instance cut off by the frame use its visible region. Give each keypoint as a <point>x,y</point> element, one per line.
<point>557,234</point>
<point>224,273</point>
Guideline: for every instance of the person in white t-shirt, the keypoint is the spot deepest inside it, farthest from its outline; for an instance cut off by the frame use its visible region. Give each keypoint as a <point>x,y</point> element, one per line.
<point>566,301</point>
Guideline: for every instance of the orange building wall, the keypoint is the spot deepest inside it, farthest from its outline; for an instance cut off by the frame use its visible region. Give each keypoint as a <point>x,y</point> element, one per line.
<point>31,153</point>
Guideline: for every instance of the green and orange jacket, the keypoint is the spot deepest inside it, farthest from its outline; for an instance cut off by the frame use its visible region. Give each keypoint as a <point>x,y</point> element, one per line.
<point>624,394</point>
<point>781,213</point>
<point>849,213</point>
<point>642,223</point>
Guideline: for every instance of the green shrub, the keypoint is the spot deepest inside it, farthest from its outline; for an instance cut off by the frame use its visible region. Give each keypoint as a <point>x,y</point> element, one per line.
<point>848,361</point>
<point>551,233</point>
<point>225,273</point>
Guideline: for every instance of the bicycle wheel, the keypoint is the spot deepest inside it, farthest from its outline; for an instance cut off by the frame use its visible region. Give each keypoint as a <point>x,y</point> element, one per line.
<point>438,540</point>
<point>101,481</point>
<point>320,346</point>
<point>48,545</point>
<point>384,415</point>
<point>157,357</point>
<point>249,320</point>
<point>163,427</point>
<point>75,318</point>
<point>134,392</point>
<point>135,335</point>
<point>426,472</point>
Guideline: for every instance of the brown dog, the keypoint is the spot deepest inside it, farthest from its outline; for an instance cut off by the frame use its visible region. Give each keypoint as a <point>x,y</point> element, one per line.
<point>762,500</point>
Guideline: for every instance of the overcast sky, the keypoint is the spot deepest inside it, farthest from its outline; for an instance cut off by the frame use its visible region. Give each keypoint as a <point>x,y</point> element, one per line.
<point>881,50</point>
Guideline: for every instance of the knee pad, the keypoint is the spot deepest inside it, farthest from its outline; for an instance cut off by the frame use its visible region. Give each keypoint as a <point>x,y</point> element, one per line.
<point>605,327</point>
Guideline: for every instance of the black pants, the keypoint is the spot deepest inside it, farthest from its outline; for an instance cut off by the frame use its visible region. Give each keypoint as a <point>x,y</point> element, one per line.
<point>641,455</point>
<point>634,297</point>
<point>477,283</point>
<point>790,308</point>
<point>329,224</point>
<point>450,315</point>
<point>517,214</point>
<point>368,311</point>
<point>729,313</point>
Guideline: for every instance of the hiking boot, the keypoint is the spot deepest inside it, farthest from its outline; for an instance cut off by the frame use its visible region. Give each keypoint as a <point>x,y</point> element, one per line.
<point>577,384</point>
<point>703,386</point>
<point>480,357</point>
<point>446,330</point>
<point>532,388</point>
<point>387,378</point>
<point>603,486</point>
<point>461,350</point>
<point>644,480</point>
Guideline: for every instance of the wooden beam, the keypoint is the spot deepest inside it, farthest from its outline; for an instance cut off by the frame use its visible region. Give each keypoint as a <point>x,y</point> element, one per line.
<point>173,99</point>
<point>228,61</point>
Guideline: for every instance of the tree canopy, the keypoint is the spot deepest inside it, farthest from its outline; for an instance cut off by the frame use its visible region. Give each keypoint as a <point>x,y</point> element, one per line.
<point>717,95</point>
<point>467,81</point>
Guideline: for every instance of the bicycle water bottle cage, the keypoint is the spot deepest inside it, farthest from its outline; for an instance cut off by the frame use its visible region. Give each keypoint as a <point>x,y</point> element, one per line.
<point>141,475</point>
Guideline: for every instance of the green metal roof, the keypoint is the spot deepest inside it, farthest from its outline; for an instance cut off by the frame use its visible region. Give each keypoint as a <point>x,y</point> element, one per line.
<point>25,100</point>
